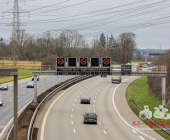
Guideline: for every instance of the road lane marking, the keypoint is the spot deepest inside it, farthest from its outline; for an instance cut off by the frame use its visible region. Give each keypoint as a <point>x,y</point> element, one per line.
<point>71,122</point>
<point>96,93</point>
<point>94,100</point>
<point>83,89</point>
<point>71,115</point>
<point>0,95</point>
<point>18,96</point>
<point>87,87</point>
<point>101,87</point>
<point>95,96</point>
<point>80,92</point>
<point>141,137</point>
<point>75,99</point>
<point>93,105</point>
<point>72,109</point>
<point>99,123</point>
<point>94,110</point>
<point>10,100</point>
<point>121,116</point>
<point>31,90</point>
<point>77,96</point>
<point>134,131</point>
<point>98,90</point>
<point>3,104</point>
<point>50,107</point>
<point>23,93</point>
<point>104,131</point>
<point>73,104</point>
<point>74,130</point>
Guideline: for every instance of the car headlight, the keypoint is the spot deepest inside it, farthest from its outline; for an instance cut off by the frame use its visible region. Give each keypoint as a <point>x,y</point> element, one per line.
<point>5,87</point>
<point>0,102</point>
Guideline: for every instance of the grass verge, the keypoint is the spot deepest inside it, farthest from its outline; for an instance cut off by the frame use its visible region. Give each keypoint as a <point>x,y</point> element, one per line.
<point>139,92</point>
<point>22,73</point>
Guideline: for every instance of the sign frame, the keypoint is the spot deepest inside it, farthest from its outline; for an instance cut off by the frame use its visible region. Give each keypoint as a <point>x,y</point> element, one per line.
<point>102,62</point>
<point>64,62</point>
<point>80,60</point>
<point>98,62</point>
<point>128,68</point>
<point>68,62</point>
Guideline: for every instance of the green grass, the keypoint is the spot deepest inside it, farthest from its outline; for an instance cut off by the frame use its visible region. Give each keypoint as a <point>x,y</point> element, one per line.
<point>139,92</point>
<point>22,73</point>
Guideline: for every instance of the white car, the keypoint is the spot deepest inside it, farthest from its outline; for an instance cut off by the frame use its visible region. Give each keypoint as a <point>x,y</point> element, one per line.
<point>4,87</point>
<point>1,102</point>
<point>150,67</point>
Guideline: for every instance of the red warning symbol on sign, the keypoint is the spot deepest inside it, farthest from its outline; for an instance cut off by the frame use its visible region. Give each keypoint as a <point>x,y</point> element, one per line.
<point>83,61</point>
<point>60,61</point>
<point>106,61</point>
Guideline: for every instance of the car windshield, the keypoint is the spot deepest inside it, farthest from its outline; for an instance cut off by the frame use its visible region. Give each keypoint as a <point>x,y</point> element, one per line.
<point>0,99</point>
<point>3,85</point>
<point>91,114</point>
<point>30,83</point>
<point>150,65</point>
<point>85,97</point>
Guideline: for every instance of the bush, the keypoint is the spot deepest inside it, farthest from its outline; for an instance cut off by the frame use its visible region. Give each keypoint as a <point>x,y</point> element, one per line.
<point>50,59</point>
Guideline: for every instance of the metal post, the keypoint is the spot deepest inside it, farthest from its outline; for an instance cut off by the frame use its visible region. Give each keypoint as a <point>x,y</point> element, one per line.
<point>33,68</point>
<point>15,107</point>
<point>163,90</point>
<point>35,88</point>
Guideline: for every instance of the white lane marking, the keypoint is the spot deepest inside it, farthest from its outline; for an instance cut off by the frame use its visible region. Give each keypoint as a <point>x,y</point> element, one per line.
<point>7,92</point>
<point>134,131</point>
<point>94,82</point>
<point>47,112</point>
<point>71,115</point>
<point>98,90</point>
<point>94,100</point>
<point>83,89</point>
<point>80,92</point>
<point>94,110</point>
<point>72,109</point>
<point>77,96</point>
<point>141,137</point>
<point>23,93</point>
<point>93,105</point>
<point>87,87</point>
<point>10,100</point>
<point>96,93</point>
<point>90,84</point>
<point>101,87</point>
<point>104,131</point>
<point>3,104</point>
<point>31,90</point>
<point>18,96</point>
<point>71,122</point>
<point>74,130</point>
<point>99,123</point>
<point>121,116</point>
<point>73,104</point>
<point>95,96</point>
<point>75,99</point>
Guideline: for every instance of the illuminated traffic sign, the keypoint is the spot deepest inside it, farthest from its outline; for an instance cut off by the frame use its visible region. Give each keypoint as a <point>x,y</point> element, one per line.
<point>72,62</point>
<point>83,62</point>
<point>60,62</point>
<point>126,68</point>
<point>94,62</point>
<point>106,62</point>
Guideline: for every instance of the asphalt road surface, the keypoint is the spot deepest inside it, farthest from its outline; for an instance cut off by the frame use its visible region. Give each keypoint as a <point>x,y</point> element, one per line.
<point>25,95</point>
<point>65,119</point>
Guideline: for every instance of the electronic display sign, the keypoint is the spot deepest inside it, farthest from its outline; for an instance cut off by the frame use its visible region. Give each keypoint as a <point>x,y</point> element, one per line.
<point>61,62</point>
<point>106,62</point>
<point>83,62</point>
<point>94,62</point>
<point>72,62</point>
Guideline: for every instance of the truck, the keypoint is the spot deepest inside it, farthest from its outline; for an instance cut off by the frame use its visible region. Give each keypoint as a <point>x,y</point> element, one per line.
<point>115,78</point>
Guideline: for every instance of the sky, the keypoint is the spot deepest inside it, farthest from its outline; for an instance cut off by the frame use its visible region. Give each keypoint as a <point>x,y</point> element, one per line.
<point>148,19</point>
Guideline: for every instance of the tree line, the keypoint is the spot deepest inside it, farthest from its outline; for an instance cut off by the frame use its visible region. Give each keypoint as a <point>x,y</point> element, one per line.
<point>71,44</point>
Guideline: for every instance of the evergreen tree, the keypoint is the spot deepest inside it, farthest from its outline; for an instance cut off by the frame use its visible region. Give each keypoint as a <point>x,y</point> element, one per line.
<point>112,48</point>
<point>103,40</point>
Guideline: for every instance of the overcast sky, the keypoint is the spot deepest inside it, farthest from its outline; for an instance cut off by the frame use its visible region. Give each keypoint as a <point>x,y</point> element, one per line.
<point>148,19</point>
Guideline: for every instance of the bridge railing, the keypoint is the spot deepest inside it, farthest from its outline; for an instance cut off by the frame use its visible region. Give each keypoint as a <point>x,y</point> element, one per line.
<point>159,68</point>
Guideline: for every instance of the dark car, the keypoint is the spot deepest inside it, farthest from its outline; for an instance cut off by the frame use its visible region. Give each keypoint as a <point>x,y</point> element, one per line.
<point>103,75</point>
<point>90,117</point>
<point>30,85</point>
<point>1,102</point>
<point>4,86</point>
<point>37,78</point>
<point>85,99</point>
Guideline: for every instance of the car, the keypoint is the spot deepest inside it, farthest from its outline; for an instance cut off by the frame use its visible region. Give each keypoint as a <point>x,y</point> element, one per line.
<point>4,87</point>
<point>144,66</point>
<point>151,67</point>
<point>37,78</point>
<point>30,85</point>
<point>103,75</point>
<point>85,99</point>
<point>90,117</point>
<point>1,102</point>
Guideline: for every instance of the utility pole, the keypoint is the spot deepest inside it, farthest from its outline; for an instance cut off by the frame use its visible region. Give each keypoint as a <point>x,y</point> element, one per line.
<point>16,42</point>
<point>16,25</point>
<point>160,47</point>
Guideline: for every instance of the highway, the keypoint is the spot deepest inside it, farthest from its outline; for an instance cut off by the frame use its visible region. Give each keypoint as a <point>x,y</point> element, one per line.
<point>25,95</point>
<point>64,120</point>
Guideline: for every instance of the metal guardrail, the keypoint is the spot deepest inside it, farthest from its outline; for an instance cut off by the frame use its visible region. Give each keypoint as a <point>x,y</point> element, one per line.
<point>10,133</point>
<point>49,96</point>
<point>151,119</point>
